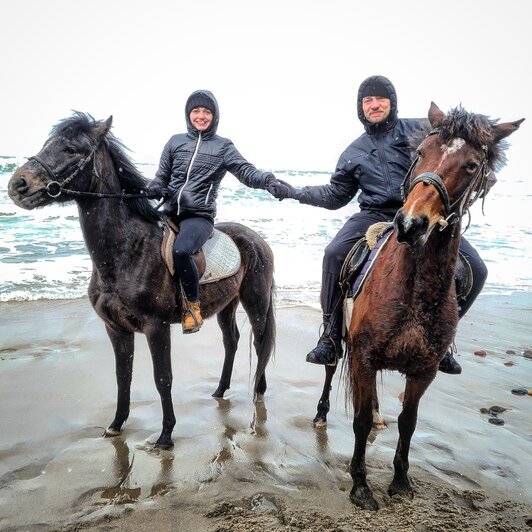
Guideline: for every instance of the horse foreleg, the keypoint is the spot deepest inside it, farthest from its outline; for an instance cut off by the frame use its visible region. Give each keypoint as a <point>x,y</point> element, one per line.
<point>227,321</point>
<point>414,390</point>
<point>320,421</point>
<point>363,397</point>
<point>159,343</point>
<point>123,346</point>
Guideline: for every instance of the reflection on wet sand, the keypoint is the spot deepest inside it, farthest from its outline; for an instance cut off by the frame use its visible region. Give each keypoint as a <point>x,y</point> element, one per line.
<point>123,464</point>
<point>57,470</point>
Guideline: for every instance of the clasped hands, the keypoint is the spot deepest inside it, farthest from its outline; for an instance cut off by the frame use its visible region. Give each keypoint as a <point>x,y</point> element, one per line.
<point>281,189</point>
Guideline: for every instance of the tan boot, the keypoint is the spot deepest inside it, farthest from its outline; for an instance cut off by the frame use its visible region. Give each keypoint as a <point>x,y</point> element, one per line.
<point>192,320</point>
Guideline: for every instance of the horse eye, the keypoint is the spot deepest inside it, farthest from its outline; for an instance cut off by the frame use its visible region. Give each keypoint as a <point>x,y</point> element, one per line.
<point>70,150</point>
<point>472,166</point>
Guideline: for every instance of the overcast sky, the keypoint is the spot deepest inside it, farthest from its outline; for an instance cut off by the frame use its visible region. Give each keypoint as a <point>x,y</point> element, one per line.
<point>285,72</point>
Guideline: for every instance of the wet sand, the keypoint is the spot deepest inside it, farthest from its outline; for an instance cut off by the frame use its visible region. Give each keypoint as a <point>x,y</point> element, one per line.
<point>240,467</point>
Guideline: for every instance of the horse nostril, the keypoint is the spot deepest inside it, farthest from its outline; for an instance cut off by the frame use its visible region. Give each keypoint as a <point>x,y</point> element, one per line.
<point>20,185</point>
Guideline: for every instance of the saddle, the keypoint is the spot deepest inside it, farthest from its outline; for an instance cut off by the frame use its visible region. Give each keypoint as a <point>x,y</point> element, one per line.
<point>219,257</point>
<point>363,255</point>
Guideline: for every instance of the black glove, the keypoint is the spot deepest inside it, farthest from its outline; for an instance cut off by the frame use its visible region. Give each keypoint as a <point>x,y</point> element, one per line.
<point>157,190</point>
<point>280,189</point>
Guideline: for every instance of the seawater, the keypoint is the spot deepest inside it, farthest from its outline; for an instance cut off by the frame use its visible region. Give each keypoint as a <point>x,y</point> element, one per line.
<point>43,255</point>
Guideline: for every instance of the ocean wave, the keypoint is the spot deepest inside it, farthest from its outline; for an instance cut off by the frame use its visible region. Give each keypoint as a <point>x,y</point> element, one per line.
<point>43,255</point>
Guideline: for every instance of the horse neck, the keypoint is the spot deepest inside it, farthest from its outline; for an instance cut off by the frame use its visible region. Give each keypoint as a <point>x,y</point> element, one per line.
<point>430,270</point>
<point>110,229</point>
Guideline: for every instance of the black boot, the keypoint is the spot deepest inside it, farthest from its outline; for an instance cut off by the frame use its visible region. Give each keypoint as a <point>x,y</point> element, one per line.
<point>448,364</point>
<point>329,348</point>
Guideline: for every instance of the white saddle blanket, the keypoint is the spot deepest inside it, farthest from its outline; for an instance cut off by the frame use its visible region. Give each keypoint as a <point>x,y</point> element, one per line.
<point>222,257</point>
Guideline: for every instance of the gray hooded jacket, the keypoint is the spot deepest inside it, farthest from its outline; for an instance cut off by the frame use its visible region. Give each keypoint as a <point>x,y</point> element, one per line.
<point>193,164</point>
<point>374,164</point>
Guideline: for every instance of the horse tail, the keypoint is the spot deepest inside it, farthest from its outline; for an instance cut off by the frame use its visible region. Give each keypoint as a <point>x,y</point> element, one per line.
<point>265,340</point>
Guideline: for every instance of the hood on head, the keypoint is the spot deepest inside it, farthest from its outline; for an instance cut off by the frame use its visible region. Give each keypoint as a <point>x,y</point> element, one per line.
<point>202,98</point>
<point>380,83</point>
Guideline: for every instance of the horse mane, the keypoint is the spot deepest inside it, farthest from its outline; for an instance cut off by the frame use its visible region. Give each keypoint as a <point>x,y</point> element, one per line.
<point>475,129</point>
<point>130,178</point>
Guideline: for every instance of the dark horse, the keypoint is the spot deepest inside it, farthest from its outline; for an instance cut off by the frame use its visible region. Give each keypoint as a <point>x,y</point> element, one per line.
<point>406,314</point>
<point>131,289</point>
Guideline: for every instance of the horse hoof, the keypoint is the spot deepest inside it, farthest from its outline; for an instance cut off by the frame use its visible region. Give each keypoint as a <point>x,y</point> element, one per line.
<point>110,432</point>
<point>401,489</point>
<point>319,423</point>
<point>164,445</point>
<point>218,394</point>
<point>363,498</point>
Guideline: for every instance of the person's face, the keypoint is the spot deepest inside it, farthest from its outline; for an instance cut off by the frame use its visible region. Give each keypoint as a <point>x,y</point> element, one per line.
<point>376,108</point>
<point>201,118</point>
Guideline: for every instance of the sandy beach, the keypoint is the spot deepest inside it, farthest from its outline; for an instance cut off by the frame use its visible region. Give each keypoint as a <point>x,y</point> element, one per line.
<point>237,466</point>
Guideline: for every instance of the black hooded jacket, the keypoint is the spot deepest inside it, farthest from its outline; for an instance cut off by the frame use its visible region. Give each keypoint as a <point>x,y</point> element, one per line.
<point>375,163</point>
<point>193,164</point>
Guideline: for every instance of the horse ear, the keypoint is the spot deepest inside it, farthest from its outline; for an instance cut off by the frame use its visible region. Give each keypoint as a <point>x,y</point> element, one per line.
<point>436,115</point>
<point>103,127</point>
<point>501,131</point>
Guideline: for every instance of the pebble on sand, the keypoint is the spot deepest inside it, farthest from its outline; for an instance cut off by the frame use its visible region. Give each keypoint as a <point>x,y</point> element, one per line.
<point>480,353</point>
<point>527,353</point>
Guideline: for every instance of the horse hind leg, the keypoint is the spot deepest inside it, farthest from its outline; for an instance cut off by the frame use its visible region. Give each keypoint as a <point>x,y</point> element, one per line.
<point>320,421</point>
<point>378,420</point>
<point>227,321</point>
<point>407,420</point>
<point>258,304</point>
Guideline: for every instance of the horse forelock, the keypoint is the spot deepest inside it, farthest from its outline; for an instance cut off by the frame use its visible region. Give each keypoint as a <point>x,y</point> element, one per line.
<point>131,180</point>
<point>74,126</point>
<point>477,130</point>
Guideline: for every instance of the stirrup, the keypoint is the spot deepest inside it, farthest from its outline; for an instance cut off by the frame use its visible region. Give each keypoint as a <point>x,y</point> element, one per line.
<point>448,364</point>
<point>192,314</point>
<point>325,353</point>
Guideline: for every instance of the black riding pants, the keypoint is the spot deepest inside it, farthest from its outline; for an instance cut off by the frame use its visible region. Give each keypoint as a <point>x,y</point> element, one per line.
<point>354,229</point>
<point>193,233</point>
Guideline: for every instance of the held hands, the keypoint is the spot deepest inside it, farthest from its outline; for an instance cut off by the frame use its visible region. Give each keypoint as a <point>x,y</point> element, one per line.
<point>280,189</point>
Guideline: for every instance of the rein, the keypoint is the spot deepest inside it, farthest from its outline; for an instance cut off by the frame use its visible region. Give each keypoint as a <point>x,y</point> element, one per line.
<point>453,212</point>
<point>54,188</point>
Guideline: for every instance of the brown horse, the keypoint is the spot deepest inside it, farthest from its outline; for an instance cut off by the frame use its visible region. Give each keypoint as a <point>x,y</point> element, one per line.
<point>131,289</point>
<point>406,314</point>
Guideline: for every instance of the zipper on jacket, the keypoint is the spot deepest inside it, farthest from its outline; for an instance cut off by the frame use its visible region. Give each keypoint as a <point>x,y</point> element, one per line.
<point>208,194</point>
<point>188,173</point>
<point>384,165</point>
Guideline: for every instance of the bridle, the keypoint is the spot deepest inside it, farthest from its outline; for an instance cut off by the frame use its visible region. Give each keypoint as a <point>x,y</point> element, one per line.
<point>54,188</point>
<point>453,212</point>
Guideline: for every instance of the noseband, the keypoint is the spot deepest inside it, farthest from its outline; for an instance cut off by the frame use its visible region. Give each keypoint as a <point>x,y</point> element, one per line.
<point>453,212</point>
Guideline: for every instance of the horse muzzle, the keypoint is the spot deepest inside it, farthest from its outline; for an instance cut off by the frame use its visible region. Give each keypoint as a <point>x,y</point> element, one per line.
<point>412,230</point>
<point>25,194</point>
